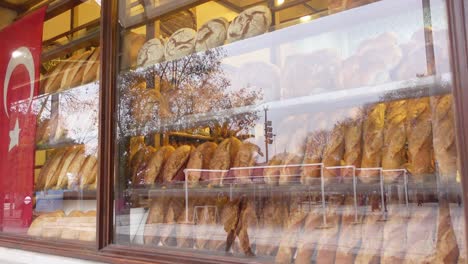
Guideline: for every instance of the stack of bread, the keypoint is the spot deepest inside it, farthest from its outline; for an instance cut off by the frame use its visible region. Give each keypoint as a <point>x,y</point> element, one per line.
<point>214,33</point>
<point>77,225</point>
<point>79,69</point>
<point>68,168</point>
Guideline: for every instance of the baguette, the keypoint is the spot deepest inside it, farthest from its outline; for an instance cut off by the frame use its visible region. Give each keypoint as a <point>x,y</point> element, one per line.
<point>91,68</point>
<point>372,134</point>
<point>445,147</point>
<point>74,169</point>
<point>71,71</point>
<point>223,158</point>
<point>87,175</point>
<point>62,181</point>
<point>315,146</point>
<point>50,167</point>
<point>333,151</point>
<point>394,148</point>
<point>419,134</point>
<point>353,143</point>
<point>53,176</point>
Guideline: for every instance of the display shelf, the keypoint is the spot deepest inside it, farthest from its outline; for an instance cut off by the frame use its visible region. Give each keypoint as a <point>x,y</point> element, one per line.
<point>66,195</point>
<point>413,88</point>
<point>91,38</point>
<point>57,145</point>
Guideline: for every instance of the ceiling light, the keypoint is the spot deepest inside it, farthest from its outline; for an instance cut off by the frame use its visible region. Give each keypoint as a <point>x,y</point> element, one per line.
<point>305,18</point>
<point>279,2</point>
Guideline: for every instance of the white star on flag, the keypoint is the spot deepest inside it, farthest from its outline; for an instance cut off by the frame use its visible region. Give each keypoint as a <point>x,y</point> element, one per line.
<point>14,136</point>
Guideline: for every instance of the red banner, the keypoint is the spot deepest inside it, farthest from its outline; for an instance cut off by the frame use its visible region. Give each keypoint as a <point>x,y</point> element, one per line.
<point>20,55</point>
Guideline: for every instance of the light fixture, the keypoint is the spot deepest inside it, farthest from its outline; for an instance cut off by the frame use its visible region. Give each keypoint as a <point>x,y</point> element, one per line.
<point>279,2</point>
<point>305,19</point>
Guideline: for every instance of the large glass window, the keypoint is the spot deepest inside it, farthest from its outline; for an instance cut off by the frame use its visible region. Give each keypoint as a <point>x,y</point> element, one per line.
<point>288,131</point>
<point>65,114</point>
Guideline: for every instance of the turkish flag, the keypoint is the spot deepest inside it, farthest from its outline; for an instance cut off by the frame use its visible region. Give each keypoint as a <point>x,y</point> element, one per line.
<point>20,55</point>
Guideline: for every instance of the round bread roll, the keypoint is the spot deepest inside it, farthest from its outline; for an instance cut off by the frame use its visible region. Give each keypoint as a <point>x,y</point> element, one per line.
<point>212,34</point>
<point>151,53</point>
<point>180,44</point>
<point>251,22</point>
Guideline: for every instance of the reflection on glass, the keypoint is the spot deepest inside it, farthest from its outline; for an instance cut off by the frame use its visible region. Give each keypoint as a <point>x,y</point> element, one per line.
<point>311,143</point>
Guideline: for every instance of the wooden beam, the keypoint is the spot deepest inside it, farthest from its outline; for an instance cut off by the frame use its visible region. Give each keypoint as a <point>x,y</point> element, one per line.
<point>18,8</point>
<point>54,9</point>
<point>91,39</point>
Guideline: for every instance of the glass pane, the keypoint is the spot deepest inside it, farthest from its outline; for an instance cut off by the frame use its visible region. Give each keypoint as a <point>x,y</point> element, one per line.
<point>65,112</point>
<point>288,131</point>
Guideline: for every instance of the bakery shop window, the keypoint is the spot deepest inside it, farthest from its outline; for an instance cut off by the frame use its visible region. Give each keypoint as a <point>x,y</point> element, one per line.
<point>288,131</point>
<point>57,199</point>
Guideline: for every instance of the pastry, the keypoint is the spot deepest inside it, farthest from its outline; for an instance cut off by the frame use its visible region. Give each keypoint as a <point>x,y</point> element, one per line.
<point>63,173</point>
<point>251,22</point>
<point>272,171</point>
<point>290,235</point>
<point>180,44</point>
<point>175,209</point>
<point>419,136</point>
<point>53,176</point>
<point>88,171</point>
<point>92,67</point>
<point>315,145</point>
<point>372,236</point>
<point>223,158</point>
<point>394,148</point>
<point>212,34</point>
<point>154,221</point>
<point>156,164</point>
<point>151,53</point>
<point>372,135</point>
<point>350,233</point>
<point>445,148</point>
<point>200,160</point>
<point>246,157</point>
<point>290,170</point>
<point>175,165</point>
<point>333,152</point>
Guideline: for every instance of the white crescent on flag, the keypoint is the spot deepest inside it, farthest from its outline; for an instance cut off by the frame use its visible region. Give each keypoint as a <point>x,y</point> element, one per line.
<point>21,56</point>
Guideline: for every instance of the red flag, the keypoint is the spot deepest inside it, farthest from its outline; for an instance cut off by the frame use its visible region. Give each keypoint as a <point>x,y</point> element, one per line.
<point>20,55</point>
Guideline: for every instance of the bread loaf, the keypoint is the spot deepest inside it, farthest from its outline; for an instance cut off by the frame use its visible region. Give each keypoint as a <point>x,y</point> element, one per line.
<point>175,209</point>
<point>247,229</point>
<point>91,69</point>
<point>53,176</point>
<point>154,221</point>
<point>212,34</point>
<point>315,146</point>
<point>350,233</point>
<point>76,63</point>
<point>394,147</point>
<point>328,239</point>
<point>290,171</point>
<point>50,168</point>
<point>36,227</point>
<point>373,139</point>
<point>372,236</point>
<point>73,174</point>
<point>246,157</point>
<point>132,44</point>
<point>308,240</point>
<point>151,53</point>
<point>142,169</point>
<point>353,143</point>
<point>394,233</point>
<point>333,152</point>
<point>180,44</point>
<point>251,22</point>
<point>173,170</point>
<point>52,83</point>
<point>291,233</point>
<point>88,171</point>
<point>223,158</point>
<point>200,159</point>
<point>156,164</point>
<point>419,134</point>
<point>230,215</point>
<point>445,148</point>
<point>272,171</point>
<point>71,225</point>
<point>62,181</point>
